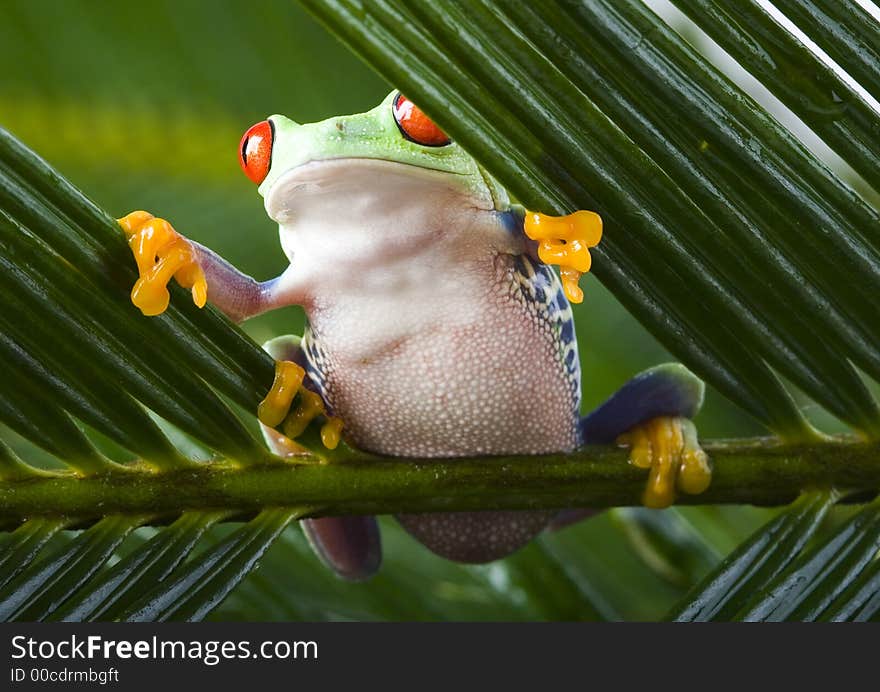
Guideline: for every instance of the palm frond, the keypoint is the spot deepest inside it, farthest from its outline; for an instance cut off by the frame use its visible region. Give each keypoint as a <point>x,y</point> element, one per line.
<point>73,346</point>
<point>794,74</point>
<point>756,561</point>
<point>845,31</point>
<point>138,573</point>
<point>778,575</point>
<point>819,577</point>
<point>199,586</point>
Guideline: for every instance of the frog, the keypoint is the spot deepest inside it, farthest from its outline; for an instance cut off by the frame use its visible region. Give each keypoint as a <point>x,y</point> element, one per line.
<point>437,324</point>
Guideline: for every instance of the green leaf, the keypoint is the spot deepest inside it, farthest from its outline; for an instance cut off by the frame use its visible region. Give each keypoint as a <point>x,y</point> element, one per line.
<point>81,320</point>
<point>667,544</point>
<point>196,588</point>
<point>120,417</point>
<point>106,596</point>
<point>13,468</point>
<point>755,563</point>
<point>545,580</point>
<point>44,585</point>
<point>26,408</point>
<point>845,31</point>
<point>810,88</point>
<point>807,589</point>
<point>860,601</point>
<point>739,245</point>
<point>90,240</point>
<point>20,547</point>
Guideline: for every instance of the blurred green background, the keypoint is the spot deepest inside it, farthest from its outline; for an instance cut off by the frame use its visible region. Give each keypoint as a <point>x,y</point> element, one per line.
<point>142,106</point>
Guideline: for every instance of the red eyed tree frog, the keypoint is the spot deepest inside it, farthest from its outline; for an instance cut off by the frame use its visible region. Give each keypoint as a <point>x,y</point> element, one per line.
<point>437,327</point>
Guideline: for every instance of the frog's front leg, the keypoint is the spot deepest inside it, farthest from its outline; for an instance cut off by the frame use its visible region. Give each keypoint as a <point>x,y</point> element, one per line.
<point>350,545</point>
<point>651,414</point>
<point>162,253</point>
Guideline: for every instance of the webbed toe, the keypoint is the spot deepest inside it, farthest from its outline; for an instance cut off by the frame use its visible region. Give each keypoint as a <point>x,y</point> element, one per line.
<point>291,407</point>
<point>161,254</point>
<point>565,241</point>
<point>668,446</point>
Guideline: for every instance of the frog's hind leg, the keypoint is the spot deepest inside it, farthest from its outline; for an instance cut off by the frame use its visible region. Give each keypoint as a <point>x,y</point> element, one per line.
<point>665,390</point>
<point>350,546</point>
<point>651,413</point>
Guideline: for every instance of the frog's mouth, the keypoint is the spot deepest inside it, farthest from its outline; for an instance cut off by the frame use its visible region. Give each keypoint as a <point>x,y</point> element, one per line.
<point>355,187</point>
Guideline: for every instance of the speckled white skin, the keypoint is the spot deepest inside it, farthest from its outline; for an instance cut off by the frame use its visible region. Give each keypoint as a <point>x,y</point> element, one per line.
<point>457,368</point>
<point>427,344</point>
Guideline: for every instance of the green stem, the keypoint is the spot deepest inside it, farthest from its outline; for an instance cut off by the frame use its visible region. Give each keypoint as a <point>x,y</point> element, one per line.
<point>759,471</point>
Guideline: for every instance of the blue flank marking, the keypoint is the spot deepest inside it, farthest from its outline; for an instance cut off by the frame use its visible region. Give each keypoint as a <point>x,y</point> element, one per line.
<point>540,293</point>
<point>313,363</point>
<point>542,289</point>
<point>567,334</point>
<point>511,220</point>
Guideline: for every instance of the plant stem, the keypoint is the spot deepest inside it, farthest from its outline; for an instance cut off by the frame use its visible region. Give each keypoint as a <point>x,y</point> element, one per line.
<point>759,471</point>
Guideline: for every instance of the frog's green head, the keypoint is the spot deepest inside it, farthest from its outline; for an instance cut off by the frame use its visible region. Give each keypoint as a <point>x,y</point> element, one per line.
<point>395,132</point>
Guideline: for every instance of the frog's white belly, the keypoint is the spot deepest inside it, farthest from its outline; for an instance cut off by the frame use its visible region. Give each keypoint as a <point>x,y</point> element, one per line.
<point>474,365</point>
<point>454,373</point>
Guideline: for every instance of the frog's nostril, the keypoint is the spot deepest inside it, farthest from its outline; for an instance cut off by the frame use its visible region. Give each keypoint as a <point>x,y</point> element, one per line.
<point>255,151</point>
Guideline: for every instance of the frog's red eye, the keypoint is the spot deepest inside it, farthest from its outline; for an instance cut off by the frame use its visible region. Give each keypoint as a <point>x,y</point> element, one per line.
<point>255,151</point>
<point>415,125</point>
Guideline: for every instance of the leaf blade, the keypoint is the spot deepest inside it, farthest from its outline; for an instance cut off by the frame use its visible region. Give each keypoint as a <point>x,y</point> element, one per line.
<point>756,562</point>
<point>195,589</point>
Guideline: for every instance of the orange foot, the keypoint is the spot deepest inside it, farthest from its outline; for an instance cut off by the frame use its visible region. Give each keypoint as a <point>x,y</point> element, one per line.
<point>565,241</point>
<point>668,446</point>
<point>292,406</point>
<point>161,253</point>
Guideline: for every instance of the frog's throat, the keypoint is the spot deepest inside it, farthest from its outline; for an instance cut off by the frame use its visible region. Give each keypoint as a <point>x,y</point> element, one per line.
<point>323,174</point>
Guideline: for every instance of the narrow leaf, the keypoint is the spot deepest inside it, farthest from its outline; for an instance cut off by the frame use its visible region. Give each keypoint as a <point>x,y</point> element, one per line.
<point>795,74</point>
<point>666,544</point>
<point>861,600</point>
<point>138,572</point>
<point>536,575</point>
<point>91,241</point>
<point>97,401</point>
<point>11,467</point>
<point>756,562</point>
<point>818,577</point>
<point>845,31</point>
<point>27,409</point>
<point>46,584</point>
<point>20,547</point>
<point>740,249</point>
<point>87,327</point>
<point>200,585</point>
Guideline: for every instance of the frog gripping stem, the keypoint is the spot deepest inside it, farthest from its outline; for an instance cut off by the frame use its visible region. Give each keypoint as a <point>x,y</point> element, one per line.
<point>161,253</point>
<point>668,446</point>
<point>292,406</point>
<point>565,241</point>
